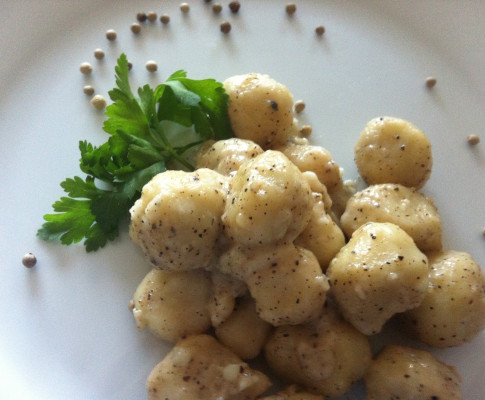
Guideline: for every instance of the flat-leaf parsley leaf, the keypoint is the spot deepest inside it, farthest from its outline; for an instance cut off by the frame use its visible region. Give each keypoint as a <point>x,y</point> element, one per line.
<point>143,141</point>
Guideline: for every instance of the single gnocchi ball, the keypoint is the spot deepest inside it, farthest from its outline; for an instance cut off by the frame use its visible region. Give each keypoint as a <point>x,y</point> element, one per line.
<point>269,201</point>
<point>322,235</point>
<point>226,156</point>
<point>326,356</point>
<point>176,221</point>
<point>378,273</point>
<point>316,159</point>
<point>285,281</point>
<point>244,332</point>
<point>199,367</point>
<point>392,150</point>
<point>260,109</point>
<point>400,205</point>
<point>453,310</point>
<point>400,372</point>
<point>173,304</point>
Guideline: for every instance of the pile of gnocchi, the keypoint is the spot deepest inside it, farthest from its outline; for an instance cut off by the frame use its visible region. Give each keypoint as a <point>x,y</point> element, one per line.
<point>265,250</point>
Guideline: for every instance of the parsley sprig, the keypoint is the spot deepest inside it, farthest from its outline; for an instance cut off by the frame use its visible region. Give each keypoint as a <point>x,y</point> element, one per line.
<point>145,138</point>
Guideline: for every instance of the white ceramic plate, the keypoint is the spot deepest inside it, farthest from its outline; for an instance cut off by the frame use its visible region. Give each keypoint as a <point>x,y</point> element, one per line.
<point>66,331</point>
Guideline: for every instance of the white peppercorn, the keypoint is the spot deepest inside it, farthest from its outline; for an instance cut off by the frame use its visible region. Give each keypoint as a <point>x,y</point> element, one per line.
<point>135,28</point>
<point>98,102</point>
<point>85,68</point>
<point>430,81</point>
<point>184,7</point>
<point>473,139</point>
<point>98,54</point>
<point>89,90</point>
<point>216,8</point>
<point>165,19</point>
<point>151,16</point>
<point>234,6</point>
<point>320,30</point>
<point>29,260</point>
<point>299,106</point>
<point>151,66</point>
<point>225,27</point>
<point>290,8</point>
<point>141,17</point>
<point>111,34</point>
<point>306,130</point>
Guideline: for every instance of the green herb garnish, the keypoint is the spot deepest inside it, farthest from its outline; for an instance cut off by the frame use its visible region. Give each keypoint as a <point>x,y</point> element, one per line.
<point>148,133</point>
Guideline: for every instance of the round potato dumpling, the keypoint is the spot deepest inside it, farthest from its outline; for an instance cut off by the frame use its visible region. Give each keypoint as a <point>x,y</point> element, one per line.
<point>453,310</point>
<point>201,368</point>
<point>177,219</point>
<point>378,273</point>
<point>286,282</point>
<point>260,109</point>
<point>322,236</point>
<point>270,201</point>
<point>400,205</point>
<point>316,159</point>
<point>392,150</point>
<point>173,304</point>
<point>226,156</point>
<point>326,356</point>
<point>244,332</point>
<point>401,372</point>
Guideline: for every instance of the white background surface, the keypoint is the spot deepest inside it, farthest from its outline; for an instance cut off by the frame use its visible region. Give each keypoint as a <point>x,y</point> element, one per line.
<point>66,331</point>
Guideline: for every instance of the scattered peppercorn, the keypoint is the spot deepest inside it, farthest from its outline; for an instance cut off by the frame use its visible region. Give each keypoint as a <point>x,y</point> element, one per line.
<point>135,28</point>
<point>216,8</point>
<point>151,66</point>
<point>165,19</point>
<point>299,106</point>
<point>141,17</point>
<point>320,30</point>
<point>234,6</point>
<point>151,16</point>
<point>29,260</point>
<point>111,34</point>
<point>184,7</point>
<point>88,89</point>
<point>98,102</point>
<point>225,27</point>
<point>98,54</point>
<point>306,130</point>
<point>473,139</point>
<point>290,8</point>
<point>86,68</point>
<point>130,65</point>
<point>430,81</point>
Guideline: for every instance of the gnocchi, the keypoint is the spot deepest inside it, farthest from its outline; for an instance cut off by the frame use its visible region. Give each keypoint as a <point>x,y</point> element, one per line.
<point>392,150</point>
<point>453,309</point>
<point>266,247</point>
